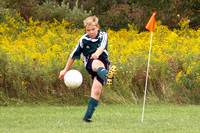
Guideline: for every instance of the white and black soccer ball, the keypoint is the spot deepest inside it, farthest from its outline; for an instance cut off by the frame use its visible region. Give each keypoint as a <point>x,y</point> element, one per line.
<point>73,79</point>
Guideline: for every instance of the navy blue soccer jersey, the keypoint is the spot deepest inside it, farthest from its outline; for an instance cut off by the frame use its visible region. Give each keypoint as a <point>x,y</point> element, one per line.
<point>87,46</point>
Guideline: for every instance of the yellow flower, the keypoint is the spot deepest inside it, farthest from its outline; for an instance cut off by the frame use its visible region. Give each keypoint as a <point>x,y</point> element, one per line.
<point>23,82</point>
<point>189,69</point>
<point>179,76</point>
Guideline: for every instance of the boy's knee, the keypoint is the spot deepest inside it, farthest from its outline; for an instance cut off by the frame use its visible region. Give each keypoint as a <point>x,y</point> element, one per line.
<point>96,89</point>
<point>97,92</point>
<point>96,64</point>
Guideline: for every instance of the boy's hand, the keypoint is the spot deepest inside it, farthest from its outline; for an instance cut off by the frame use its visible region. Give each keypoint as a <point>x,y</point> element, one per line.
<point>94,56</point>
<point>66,69</point>
<point>97,53</point>
<point>62,74</point>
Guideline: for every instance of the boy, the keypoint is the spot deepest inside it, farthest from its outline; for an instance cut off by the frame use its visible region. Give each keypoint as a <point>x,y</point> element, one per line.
<point>93,45</point>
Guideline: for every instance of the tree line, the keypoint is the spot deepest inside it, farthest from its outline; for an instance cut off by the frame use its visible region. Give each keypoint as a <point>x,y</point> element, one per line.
<point>113,14</point>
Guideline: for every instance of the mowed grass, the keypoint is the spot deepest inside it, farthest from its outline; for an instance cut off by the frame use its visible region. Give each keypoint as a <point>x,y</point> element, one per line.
<point>106,119</point>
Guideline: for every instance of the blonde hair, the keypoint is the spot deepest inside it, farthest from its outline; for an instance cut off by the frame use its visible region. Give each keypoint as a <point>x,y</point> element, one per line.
<point>92,20</point>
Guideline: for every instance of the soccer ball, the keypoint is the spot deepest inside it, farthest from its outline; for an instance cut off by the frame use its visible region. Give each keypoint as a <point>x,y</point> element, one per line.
<point>73,79</point>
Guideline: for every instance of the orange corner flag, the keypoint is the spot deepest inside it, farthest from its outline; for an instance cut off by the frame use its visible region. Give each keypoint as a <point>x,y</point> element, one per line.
<point>151,23</point>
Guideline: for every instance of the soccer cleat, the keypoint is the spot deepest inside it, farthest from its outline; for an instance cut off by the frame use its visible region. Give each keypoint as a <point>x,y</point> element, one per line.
<point>110,76</point>
<point>87,121</point>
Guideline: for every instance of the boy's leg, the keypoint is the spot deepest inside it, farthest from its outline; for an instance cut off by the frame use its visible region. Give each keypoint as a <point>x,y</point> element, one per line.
<point>94,100</point>
<point>97,66</point>
<point>102,72</point>
<point>92,104</point>
<point>107,76</point>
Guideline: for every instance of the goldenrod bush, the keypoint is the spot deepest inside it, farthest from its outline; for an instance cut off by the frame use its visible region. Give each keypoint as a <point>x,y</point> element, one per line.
<point>34,52</point>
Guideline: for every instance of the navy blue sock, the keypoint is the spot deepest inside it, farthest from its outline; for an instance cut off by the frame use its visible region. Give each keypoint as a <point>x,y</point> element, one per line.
<point>92,104</point>
<point>101,71</point>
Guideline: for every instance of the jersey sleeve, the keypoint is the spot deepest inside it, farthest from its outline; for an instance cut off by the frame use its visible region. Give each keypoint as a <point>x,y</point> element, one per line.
<point>77,53</point>
<point>104,40</point>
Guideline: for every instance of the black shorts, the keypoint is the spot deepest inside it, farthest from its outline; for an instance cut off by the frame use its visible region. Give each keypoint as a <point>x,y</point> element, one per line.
<point>106,63</point>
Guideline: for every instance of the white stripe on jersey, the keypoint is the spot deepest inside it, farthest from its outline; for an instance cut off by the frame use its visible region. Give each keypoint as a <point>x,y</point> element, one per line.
<point>105,38</point>
<point>105,51</point>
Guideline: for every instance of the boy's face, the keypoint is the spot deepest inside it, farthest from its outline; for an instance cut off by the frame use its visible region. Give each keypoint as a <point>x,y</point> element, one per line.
<point>92,30</point>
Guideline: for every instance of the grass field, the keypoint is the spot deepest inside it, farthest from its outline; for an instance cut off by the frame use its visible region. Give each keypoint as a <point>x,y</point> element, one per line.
<point>108,119</point>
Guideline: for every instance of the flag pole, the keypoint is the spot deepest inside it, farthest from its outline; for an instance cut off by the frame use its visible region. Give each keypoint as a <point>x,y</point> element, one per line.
<point>150,26</point>
<point>147,75</point>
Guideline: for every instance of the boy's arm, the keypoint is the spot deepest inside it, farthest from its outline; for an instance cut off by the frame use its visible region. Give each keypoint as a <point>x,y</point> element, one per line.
<point>64,71</point>
<point>100,49</point>
<point>97,53</point>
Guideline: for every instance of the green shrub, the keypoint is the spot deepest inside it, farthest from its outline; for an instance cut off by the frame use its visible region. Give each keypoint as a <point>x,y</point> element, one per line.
<point>49,11</point>
<point>25,7</point>
<point>120,15</point>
